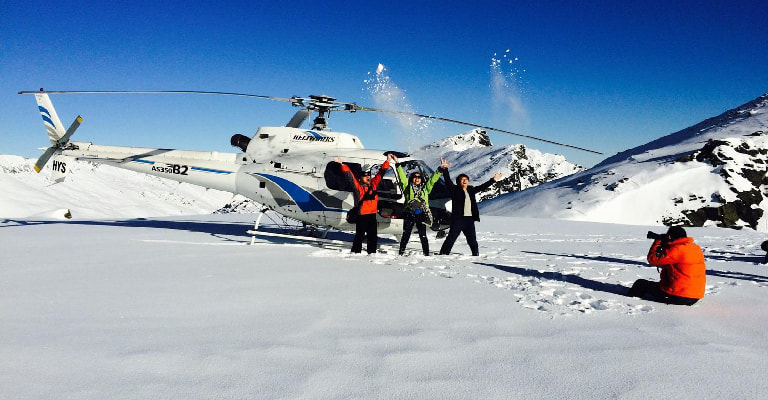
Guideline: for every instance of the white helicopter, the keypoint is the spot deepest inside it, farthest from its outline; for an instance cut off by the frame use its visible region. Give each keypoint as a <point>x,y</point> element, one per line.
<point>286,169</point>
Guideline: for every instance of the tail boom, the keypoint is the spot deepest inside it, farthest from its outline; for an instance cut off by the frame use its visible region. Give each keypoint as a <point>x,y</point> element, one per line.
<point>203,168</point>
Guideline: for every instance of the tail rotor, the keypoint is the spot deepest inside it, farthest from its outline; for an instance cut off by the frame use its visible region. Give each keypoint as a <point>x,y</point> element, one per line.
<point>58,145</point>
<point>59,138</point>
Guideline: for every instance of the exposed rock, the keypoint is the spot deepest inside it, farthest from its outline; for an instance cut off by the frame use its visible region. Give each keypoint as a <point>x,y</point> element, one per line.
<point>737,158</point>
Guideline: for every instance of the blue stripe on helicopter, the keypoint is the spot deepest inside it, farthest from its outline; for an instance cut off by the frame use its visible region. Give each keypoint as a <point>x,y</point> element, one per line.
<point>315,134</point>
<point>300,196</point>
<point>43,110</point>
<point>48,120</point>
<point>215,171</point>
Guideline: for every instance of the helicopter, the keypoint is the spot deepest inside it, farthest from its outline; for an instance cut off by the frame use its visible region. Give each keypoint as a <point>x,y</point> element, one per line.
<point>287,169</point>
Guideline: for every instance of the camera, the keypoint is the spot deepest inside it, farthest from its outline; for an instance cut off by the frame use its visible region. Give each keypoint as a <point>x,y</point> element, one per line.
<point>654,236</point>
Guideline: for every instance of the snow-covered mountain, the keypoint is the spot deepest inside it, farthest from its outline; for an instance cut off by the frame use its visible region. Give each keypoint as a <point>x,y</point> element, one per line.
<point>713,173</point>
<point>472,153</point>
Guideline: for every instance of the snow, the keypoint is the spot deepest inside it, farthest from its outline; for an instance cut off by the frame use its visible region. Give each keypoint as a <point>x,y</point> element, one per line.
<point>111,192</point>
<point>143,293</point>
<point>183,307</point>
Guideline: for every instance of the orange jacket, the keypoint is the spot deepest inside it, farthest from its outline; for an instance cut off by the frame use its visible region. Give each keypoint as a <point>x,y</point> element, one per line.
<point>683,272</point>
<point>369,206</point>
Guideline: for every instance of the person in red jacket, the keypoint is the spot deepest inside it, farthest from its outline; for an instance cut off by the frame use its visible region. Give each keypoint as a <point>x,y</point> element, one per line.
<point>681,265</point>
<point>368,202</point>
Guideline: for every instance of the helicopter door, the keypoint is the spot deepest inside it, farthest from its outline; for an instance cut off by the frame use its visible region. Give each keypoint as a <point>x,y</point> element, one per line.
<point>390,203</point>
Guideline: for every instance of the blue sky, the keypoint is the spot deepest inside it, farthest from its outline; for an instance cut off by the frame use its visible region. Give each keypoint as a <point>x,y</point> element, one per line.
<point>606,75</point>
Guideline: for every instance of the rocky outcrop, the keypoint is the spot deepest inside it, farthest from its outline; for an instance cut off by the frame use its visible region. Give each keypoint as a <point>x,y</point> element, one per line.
<point>741,162</point>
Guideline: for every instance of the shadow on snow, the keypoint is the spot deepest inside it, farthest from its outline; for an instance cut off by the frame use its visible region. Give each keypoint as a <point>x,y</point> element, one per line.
<point>214,228</point>
<point>733,256</point>
<point>710,272</point>
<point>591,258</point>
<point>557,276</point>
<point>230,231</point>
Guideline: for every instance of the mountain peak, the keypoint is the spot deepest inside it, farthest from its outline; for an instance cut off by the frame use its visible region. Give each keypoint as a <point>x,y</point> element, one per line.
<point>476,138</point>
<point>472,153</point>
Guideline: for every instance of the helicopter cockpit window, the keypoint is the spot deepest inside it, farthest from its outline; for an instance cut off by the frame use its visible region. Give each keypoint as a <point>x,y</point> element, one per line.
<point>387,187</point>
<point>335,179</point>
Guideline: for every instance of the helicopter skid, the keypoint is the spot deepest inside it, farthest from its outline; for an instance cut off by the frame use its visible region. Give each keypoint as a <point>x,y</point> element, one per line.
<point>324,242</point>
<point>255,233</point>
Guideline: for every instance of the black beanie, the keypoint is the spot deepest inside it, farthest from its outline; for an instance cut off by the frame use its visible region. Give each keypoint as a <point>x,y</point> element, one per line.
<point>676,232</point>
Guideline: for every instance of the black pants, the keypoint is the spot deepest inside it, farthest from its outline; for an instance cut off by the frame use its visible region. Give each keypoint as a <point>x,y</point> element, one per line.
<point>465,225</point>
<point>649,290</point>
<point>409,221</point>
<point>365,226</point>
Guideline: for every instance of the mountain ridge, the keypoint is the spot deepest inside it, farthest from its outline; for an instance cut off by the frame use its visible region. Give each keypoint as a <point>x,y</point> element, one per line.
<point>712,173</point>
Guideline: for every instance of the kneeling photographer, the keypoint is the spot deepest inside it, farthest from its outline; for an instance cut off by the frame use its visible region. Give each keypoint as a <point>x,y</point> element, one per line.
<point>681,266</point>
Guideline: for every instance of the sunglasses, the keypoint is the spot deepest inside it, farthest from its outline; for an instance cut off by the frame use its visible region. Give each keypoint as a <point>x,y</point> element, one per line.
<point>417,176</point>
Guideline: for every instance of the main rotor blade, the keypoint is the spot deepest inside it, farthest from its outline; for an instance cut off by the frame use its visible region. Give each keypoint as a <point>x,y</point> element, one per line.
<point>298,118</point>
<point>44,159</point>
<point>410,114</point>
<point>283,99</point>
<point>322,100</point>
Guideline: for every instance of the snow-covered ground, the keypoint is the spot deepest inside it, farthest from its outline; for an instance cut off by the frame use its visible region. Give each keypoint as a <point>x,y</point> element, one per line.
<point>183,307</point>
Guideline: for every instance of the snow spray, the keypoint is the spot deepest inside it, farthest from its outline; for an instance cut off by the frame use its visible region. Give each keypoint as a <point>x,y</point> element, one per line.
<point>413,131</point>
<point>506,87</point>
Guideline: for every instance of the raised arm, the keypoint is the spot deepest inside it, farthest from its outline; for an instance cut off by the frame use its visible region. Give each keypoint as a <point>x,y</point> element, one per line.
<point>448,180</point>
<point>432,180</point>
<point>350,176</point>
<point>344,168</point>
<point>488,184</point>
<point>401,177</point>
<point>384,167</point>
